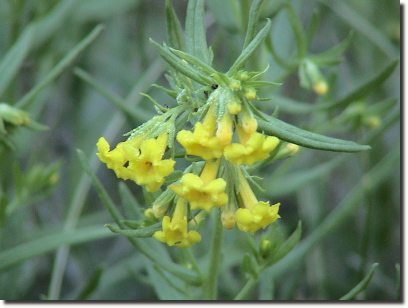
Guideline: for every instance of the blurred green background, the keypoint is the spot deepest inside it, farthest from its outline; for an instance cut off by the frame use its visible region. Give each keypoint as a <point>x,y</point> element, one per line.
<point>47,200</point>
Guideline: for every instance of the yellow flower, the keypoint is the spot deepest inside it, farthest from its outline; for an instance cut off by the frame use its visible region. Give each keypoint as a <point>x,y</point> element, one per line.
<point>224,130</point>
<point>252,148</point>
<point>202,142</point>
<point>259,216</point>
<point>175,229</point>
<point>148,168</point>
<point>228,216</point>
<point>115,159</point>
<point>205,191</point>
<point>256,214</point>
<point>139,160</point>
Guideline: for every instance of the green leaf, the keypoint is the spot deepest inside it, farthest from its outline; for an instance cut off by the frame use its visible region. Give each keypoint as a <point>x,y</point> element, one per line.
<point>290,133</point>
<point>145,232</point>
<point>250,49</point>
<point>286,247</point>
<point>293,181</point>
<point>332,55</point>
<point>3,208</point>
<point>196,43</point>
<point>360,23</point>
<point>298,31</point>
<point>103,195</point>
<point>197,63</point>
<point>252,21</point>
<point>361,286</point>
<point>227,14</point>
<point>112,97</point>
<point>250,266</point>
<point>92,284</point>
<point>165,286</point>
<point>173,176</point>
<point>57,70</point>
<point>363,89</point>
<point>129,202</point>
<point>175,33</point>
<point>50,242</point>
<point>14,58</point>
<point>313,24</point>
<point>181,66</point>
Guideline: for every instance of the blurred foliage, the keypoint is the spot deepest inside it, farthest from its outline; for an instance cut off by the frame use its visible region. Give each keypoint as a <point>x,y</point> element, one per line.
<point>59,69</point>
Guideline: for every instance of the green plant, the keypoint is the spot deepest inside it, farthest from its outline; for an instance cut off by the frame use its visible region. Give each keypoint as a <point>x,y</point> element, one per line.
<point>308,89</point>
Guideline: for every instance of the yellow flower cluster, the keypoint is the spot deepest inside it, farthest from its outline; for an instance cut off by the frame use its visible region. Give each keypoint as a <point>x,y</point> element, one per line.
<point>226,139</point>
<point>139,160</point>
<point>212,139</point>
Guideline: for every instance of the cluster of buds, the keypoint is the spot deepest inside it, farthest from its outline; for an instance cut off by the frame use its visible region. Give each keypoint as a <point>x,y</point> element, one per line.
<point>224,141</point>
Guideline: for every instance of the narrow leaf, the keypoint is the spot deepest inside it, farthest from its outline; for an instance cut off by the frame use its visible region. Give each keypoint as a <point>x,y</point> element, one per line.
<point>287,246</point>
<point>361,286</point>
<point>14,58</point>
<point>333,54</point>
<point>57,70</point>
<point>197,63</point>
<point>181,66</point>
<point>50,242</point>
<point>250,49</point>
<point>252,21</point>
<point>129,202</point>
<point>363,89</point>
<point>196,43</point>
<point>249,266</point>
<point>92,284</point>
<point>175,34</point>
<point>106,200</point>
<point>293,134</point>
<point>145,232</point>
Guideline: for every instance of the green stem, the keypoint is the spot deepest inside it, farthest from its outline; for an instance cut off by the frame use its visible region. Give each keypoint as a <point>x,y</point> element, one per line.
<point>210,282</point>
<point>247,287</point>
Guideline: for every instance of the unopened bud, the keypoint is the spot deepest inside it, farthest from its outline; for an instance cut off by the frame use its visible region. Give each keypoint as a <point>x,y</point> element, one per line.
<point>234,107</point>
<point>228,219</point>
<point>250,94</point>
<point>235,85</point>
<point>320,87</point>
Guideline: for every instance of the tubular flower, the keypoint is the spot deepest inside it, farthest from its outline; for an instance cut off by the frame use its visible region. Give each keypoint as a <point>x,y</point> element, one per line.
<point>148,168</point>
<point>139,160</point>
<point>204,192</point>
<point>117,158</point>
<point>224,130</point>
<point>175,229</point>
<point>256,214</point>
<point>252,148</point>
<point>202,142</point>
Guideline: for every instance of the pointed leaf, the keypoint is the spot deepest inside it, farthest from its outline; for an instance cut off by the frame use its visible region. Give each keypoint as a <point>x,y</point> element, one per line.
<point>129,202</point>
<point>250,49</point>
<point>57,70</point>
<point>175,33</point>
<point>249,266</point>
<point>332,55</point>
<point>361,286</point>
<point>287,246</point>
<point>181,66</point>
<point>92,284</point>
<point>13,59</point>
<point>196,43</point>
<point>145,232</point>
<point>363,89</point>
<point>252,21</point>
<point>290,133</point>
